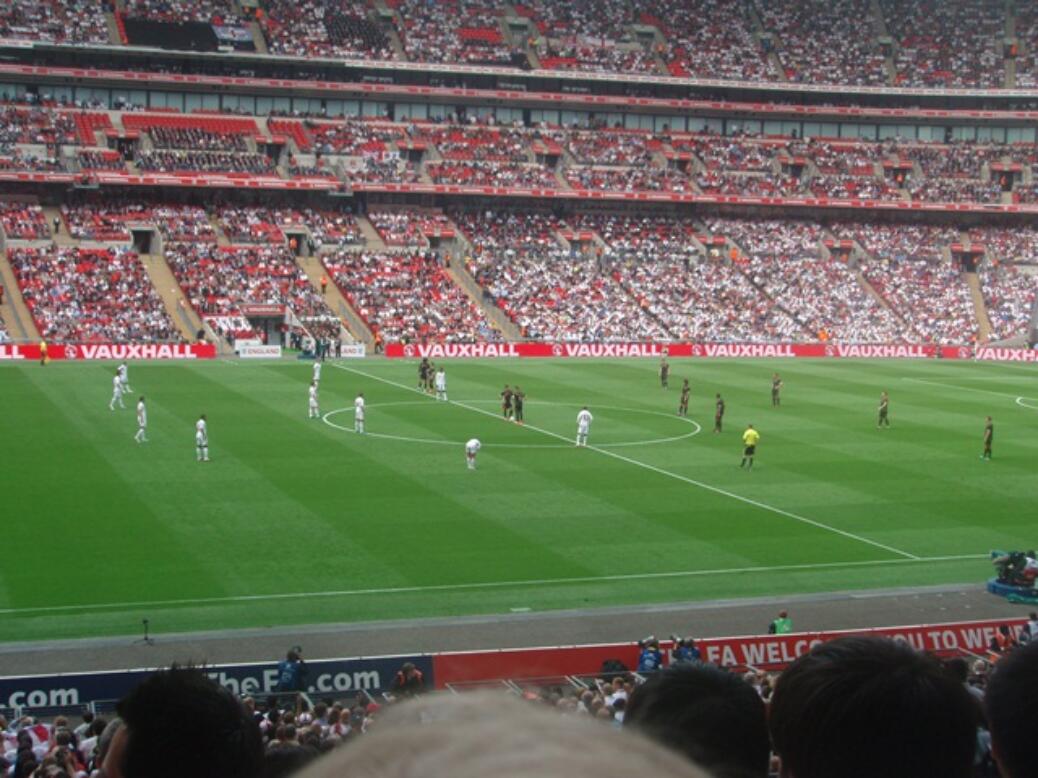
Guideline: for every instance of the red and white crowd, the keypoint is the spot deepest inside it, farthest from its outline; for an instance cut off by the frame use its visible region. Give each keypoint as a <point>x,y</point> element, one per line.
<point>91,295</point>
<point>59,21</point>
<point>313,28</point>
<point>23,221</point>
<point>407,296</point>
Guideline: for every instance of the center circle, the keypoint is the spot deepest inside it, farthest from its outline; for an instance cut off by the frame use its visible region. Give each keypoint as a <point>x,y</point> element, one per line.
<point>1023,403</point>
<point>438,442</point>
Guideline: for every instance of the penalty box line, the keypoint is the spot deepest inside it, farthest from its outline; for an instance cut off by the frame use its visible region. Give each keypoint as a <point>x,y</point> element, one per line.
<point>593,579</point>
<point>658,470</point>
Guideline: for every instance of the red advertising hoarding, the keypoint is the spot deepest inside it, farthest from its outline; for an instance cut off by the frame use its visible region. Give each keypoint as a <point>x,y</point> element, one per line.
<point>97,351</point>
<point>763,652</point>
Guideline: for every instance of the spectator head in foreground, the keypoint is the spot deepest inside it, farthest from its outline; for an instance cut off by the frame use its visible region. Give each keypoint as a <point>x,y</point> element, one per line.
<point>862,707</point>
<point>1012,717</point>
<point>713,717</point>
<point>178,722</point>
<point>476,735</point>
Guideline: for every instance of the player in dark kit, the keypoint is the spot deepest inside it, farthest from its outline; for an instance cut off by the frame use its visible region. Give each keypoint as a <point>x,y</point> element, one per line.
<point>989,434</point>
<point>664,372</point>
<point>423,373</point>
<point>430,375</point>
<point>506,402</point>
<point>686,390</point>
<point>776,387</point>
<point>884,410</point>
<point>718,413</point>
<point>517,405</point>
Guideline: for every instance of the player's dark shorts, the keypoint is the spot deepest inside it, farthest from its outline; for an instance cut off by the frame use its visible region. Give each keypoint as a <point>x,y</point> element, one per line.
<point>749,451</point>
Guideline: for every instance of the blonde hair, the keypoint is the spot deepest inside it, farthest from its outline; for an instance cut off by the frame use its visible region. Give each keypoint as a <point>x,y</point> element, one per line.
<point>479,734</point>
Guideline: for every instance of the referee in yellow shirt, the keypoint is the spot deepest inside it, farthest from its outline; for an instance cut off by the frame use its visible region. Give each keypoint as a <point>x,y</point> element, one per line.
<point>749,439</point>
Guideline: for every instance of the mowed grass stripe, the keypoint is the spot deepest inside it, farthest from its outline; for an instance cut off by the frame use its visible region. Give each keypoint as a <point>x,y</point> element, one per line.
<point>290,502</point>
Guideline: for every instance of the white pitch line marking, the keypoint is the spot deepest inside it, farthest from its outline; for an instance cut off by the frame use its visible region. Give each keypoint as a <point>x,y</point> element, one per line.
<point>487,585</point>
<point>440,442</point>
<point>961,388</point>
<point>661,471</point>
<point>1022,402</point>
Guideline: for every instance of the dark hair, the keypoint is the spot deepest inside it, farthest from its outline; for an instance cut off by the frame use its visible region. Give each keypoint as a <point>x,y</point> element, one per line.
<point>710,716</point>
<point>1009,701</point>
<point>860,707</point>
<point>958,668</point>
<point>179,722</point>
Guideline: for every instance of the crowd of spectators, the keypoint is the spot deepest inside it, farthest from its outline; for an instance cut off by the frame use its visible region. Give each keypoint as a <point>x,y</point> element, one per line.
<point>100,159</point>
<point>496,230</point>
<point>407,227</point>
<point>648,178</point>
<point>1018,244</point>
<point>351,137</point>
<point>604,147</point>
<point>408,297</point>
<point>246,224</point>
<point>906,265</point>
<point>1009,296</point>
<point>709,39</point>
<point>824,41</point>
<point>465,31</point>
<point>728,152</point>
<point>182,223</point>
<point>747,184</point>
<point>27,161</point>
<point>854,187</point>
<point>955,190</point>
<point>196,139</point>
<point>22,221</point>
<point>58,21</point>
<point>324,28</point>
<point>216,12</point>
<point>847,159</point>
<point>947,42</point>
<point>217,280</point>
<point>491,144</point>
<point>35,125</point>
<point>160,161</point>
<point>563,295</point>
<point>105,223</point>
<point>391,170</point>
<point>479,173</point>
<point>91,295</point>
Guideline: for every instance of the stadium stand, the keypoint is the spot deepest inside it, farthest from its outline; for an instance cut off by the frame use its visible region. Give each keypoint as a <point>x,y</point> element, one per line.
<point>57,21</point>
<point>466,31</point>
<point>824,42</point>
<point>23,222</point>
<point>407,296</point>
<point>316,28</point>
<point>91,295</point>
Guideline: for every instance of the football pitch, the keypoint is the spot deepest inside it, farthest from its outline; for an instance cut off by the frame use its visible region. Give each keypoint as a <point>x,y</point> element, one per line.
<point>297,521</point>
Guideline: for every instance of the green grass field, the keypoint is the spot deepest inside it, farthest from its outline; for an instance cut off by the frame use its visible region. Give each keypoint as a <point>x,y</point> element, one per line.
<point>296,521</point>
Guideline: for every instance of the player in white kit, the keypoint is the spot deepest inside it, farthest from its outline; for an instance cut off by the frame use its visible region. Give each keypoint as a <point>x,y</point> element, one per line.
<point>471,449</point>
<point>142,422</point>
<point>117,392</point>
<point>441,384</point>
<point>124,376</point>
<point>202,439</point>
<point>358,414</point>
<point>317,372</point>
<point>584,419</point>
<point>315,412</point>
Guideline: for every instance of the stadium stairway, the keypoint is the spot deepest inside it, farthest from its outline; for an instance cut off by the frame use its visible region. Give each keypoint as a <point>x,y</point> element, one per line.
<point>177,306</point>
<point>14,311</point>
<point>61,238</point>
<point>460,275</point>
<point>372,239</point>
<point>315,269</point>
<point>980,308</point>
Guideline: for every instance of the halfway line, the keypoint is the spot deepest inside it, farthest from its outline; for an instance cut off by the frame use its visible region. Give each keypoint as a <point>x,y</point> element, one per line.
<point>660,471</point>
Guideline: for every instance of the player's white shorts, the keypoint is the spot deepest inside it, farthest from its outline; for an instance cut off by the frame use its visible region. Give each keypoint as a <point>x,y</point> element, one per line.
<point>200,439</point>
<point>583,429</point>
